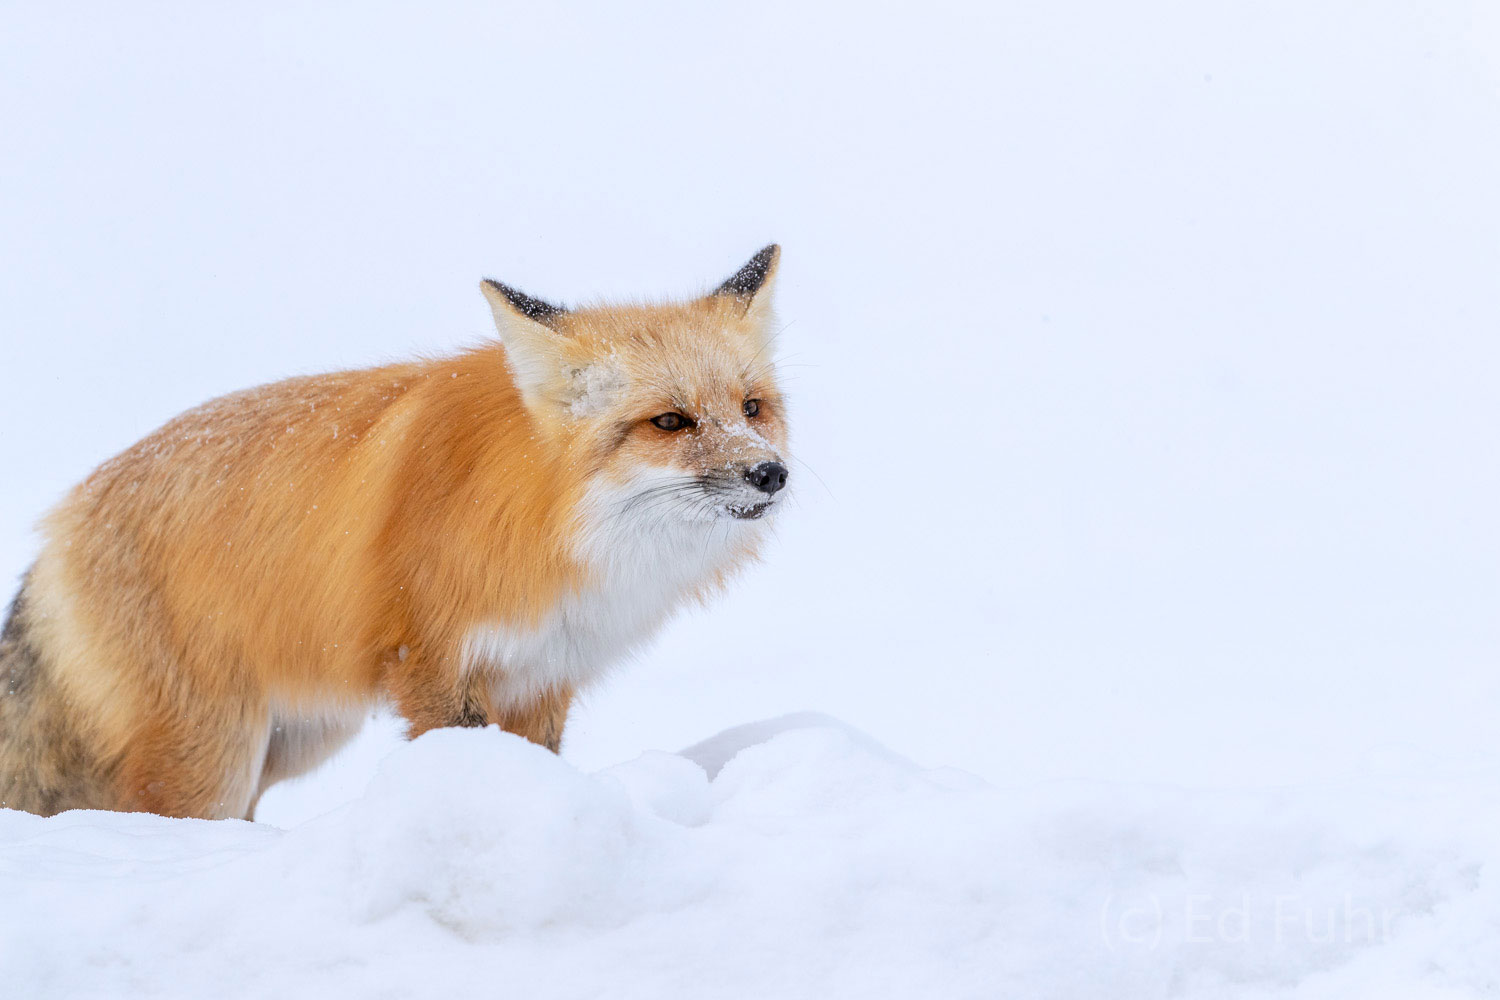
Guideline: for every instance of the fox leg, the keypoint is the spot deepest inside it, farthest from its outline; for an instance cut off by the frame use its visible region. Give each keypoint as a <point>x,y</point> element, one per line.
<point>435,695</point>
<point>541,721</point>
<point>431,692</point>
<point>204,764</point>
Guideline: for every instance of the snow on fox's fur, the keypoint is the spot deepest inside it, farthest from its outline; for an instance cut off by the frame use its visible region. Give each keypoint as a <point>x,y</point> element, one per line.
<point>470,538</point>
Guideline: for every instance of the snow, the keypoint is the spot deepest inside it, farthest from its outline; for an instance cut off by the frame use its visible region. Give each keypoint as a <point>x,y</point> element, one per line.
<point>813,863</point>
<point>1142,365</point>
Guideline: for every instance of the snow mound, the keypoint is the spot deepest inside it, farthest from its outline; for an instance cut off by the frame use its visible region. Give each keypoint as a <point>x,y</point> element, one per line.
<point>716,751</point>
<point>794,857</point>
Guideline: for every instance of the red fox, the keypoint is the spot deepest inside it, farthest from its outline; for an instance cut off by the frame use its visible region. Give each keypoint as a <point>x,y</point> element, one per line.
<point>470,539</point>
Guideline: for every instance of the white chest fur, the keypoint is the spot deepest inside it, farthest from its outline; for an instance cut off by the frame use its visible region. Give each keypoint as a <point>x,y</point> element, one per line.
<point>642,569</point>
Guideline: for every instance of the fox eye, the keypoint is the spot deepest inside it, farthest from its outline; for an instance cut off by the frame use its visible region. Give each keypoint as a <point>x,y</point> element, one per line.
<point>671,421</point>
<point>752,407</point>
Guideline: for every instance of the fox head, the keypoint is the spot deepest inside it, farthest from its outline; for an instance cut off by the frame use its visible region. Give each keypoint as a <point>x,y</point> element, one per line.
<point>673,408</point>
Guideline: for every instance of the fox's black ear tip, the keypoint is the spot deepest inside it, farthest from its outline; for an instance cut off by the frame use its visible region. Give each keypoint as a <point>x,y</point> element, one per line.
<point>767,256</point>
<point>748,280</point>
<point>531,308</point>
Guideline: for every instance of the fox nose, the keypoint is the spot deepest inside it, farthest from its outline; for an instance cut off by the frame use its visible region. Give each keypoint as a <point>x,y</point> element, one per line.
<point>768,477</point>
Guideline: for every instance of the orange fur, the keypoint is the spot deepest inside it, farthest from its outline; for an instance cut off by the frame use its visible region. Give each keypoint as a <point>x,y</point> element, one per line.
<point>302,550</point>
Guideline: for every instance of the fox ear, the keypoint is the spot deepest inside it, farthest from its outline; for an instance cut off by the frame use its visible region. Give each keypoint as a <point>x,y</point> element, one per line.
<point>752,284</point>
<point>533,346</point>
<point>510,300</point>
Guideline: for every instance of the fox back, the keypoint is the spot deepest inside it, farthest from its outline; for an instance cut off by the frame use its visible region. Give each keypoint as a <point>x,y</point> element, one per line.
<point>470,539</point>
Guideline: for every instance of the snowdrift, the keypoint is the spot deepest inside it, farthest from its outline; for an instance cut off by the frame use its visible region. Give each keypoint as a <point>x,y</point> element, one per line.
<point>791,858</point>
